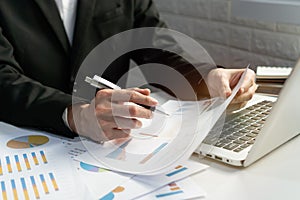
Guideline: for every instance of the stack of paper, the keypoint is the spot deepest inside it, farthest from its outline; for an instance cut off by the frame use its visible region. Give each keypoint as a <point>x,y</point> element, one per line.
<point>34,165</point>
<point>152,164</point>
<point>105,184</point>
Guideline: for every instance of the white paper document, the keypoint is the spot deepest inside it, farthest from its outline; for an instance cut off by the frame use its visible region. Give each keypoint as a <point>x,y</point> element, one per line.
<point>105,184</point>
<point>34,165</point>
<point>180,190</point>
<point>139,186</point>
<point>163,141</point>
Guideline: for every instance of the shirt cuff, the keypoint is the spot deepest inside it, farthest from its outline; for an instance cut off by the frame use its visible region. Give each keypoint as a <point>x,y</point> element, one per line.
<point>65,118</point>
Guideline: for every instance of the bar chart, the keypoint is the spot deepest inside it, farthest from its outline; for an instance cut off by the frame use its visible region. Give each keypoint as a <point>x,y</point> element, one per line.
<point>19,178</point>
<point>30,186</point>
<point>22,162</point>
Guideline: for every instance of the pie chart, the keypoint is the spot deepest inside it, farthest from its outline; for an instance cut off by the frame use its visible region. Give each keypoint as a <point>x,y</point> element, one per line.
<point>25,142</point>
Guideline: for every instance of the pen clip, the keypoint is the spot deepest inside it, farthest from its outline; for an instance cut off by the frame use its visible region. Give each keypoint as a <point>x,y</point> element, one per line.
<point>106,83</point>
<point>94,83</point>
<point>101,83</point>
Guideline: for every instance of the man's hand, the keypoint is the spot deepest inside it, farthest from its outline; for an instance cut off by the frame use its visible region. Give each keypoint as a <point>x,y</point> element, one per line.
<point>109,116</point>
<point>221,82</point>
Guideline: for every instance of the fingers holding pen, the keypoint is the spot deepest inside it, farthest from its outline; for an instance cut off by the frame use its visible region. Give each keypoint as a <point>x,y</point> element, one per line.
<point>111,103</point>
<point>139,96</point>
<point>134,96</point>
<point>116,112</point>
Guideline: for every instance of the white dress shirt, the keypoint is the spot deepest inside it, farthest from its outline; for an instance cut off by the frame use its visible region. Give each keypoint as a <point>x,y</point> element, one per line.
<point>67,10</point>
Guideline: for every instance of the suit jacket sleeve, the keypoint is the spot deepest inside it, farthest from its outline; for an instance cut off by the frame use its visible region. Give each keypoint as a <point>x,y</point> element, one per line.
<point>26,102</point>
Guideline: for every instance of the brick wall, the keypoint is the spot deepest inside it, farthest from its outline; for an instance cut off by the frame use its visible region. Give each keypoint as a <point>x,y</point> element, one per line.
<point>232,41</point>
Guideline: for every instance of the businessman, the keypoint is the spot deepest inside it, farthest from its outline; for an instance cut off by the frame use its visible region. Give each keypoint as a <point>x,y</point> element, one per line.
<point>44,42</point>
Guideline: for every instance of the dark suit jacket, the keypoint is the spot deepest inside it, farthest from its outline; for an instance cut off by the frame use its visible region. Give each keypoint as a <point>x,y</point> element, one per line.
<point>37,63</point>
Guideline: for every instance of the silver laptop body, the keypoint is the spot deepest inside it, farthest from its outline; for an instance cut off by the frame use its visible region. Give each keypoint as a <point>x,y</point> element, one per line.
<point>261,127</point>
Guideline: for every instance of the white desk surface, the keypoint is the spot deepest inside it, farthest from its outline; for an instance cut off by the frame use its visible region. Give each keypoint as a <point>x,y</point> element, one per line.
<point>276,176</point>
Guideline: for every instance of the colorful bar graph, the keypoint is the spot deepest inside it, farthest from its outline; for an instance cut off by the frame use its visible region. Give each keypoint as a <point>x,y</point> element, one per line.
<point>111,195</point>
<point>25,191</point>
<point>177,171</point>
<point>43,157</point>
<point>35,189</point>
<point>149,156</point>
<point>26,161</point>
<point>18,163</point>
<point>53,181</point>
<point>91,168</point>
<point>35,160</point>
<point>120,152</point>
<point>168,194</point>
<point>14,189</point>
<point>1,170</point>
<point>44,184</point>
<point>8,164</point>
<point>3,188</point>
<point>174,189</point>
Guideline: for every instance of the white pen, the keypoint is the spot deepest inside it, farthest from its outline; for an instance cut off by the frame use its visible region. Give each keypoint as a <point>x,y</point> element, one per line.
<point>102,83</point>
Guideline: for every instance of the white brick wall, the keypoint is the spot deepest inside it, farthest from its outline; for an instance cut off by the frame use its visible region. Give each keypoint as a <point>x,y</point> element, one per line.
<point>232,41</point>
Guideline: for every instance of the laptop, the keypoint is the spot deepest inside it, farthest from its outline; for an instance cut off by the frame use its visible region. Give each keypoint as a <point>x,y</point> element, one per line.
<point>255,131</point>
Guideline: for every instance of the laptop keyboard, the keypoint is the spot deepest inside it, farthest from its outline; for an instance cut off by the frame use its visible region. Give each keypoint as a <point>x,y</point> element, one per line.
<point>240,129</point>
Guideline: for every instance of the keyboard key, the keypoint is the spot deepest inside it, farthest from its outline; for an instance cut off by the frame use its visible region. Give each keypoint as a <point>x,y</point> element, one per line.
<point>231,146</point>
<point>238,127</point>
<point>244,146</point>
<point>262,115</point>
<point>256,118</point>
<point>244,131</point>
<point>267,112</point>
<point>245,138</point>
<point>261,110</point>
<point>245,124</point>
<point>255,112</point>
<point>252,135</point>
<point>238,149</point>
<point>232,130</point>
<point>256,125</point>
<point>251,142</point>
<point>210,140</point>
<point>251,121</point>
<point>238,134</point>
<point>250,108</point>
<point>225,141</point>
<point>248,116</point>
<point>244,117</point>
<point>238,120</point>
<point>255,132</point>
<point>220,144</point>
<point>238,141</point>
<point>250,128</point>
<point>261,103</point>
<point>261,122</point>
<point>232,137</point>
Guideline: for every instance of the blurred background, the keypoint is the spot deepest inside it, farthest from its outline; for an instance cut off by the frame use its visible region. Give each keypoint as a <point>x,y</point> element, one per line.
<point>238,32</point>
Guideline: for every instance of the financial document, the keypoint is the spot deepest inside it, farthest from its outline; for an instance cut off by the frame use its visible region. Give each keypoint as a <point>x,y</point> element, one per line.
<point>34,165</point>
<point>163,141</point>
